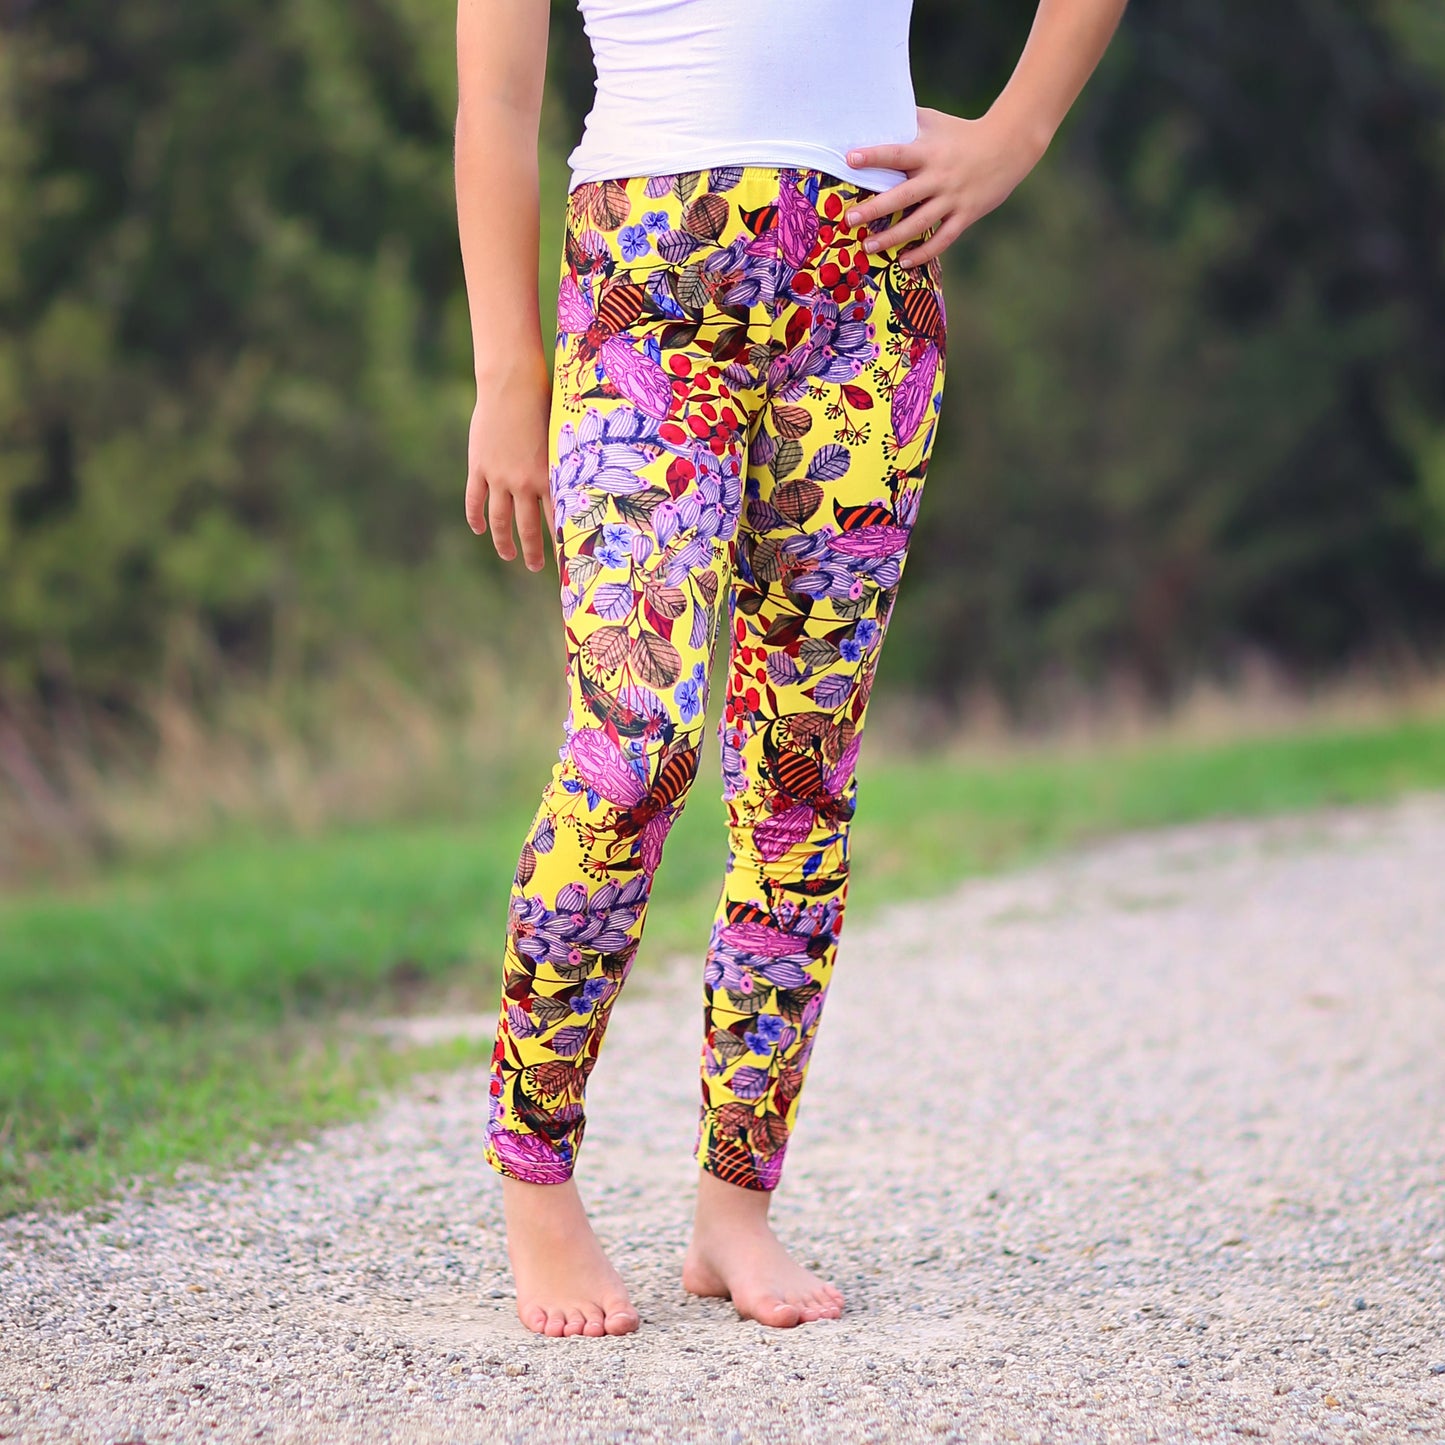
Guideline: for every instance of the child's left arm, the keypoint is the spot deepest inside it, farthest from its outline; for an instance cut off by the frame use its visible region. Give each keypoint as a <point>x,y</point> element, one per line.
<point>958,169</point>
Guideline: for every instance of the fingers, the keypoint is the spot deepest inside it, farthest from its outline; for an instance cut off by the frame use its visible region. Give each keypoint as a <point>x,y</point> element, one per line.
<point>500,511</point>
<point>529,529</point>
<point>884,203</point>
<point>935,245</point>
<point>908,228</point>
<point>500,508</point>
<point>476,502</point>
<point>905,157</point>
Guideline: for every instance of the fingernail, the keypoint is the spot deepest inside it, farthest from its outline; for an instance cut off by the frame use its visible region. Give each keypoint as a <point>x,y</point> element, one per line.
<point>852,218</point>
<point>855,158</point>
<point>870,244</point>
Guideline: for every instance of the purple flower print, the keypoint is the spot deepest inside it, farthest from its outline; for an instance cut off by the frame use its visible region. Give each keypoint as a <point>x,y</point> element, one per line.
<point>688,694</point>
<point>702,338</point>
<point>821,569</point>
<point>601,454</point>
<point>594,991</point>
<point>769,1034</point>
<point>633,242</point>
<point>615,548</point>
<point>601,922</point>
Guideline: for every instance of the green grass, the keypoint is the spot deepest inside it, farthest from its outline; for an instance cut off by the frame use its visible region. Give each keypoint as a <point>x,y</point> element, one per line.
<point>194,1008</point>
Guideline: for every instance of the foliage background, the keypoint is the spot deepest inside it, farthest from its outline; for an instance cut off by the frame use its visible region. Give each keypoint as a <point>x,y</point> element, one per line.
<point>1196,410</point>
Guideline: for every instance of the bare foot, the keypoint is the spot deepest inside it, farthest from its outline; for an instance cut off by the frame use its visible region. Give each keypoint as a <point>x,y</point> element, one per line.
<point>565,1283</point>
<point>735,1255</point>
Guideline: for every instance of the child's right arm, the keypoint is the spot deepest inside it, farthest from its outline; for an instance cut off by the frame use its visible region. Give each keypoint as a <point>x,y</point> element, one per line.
<point>501,63</point>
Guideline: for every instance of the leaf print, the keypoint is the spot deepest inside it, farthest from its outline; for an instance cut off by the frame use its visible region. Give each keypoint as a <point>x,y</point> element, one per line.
<point>792,421</point>
<point>785,631</point>
<point>639,506</point>
<point>765,560</point>
<point>691,288</point>
<point>702,623</point>
<point>710,407</point>
<point>609,205</point>
<point>614,600</point>
<point>729,343</point>
<point>733,1121</point>
<point>782,669</point>
<point>814,652</point>
<point>749,1082</point>
<point>566,1042</point>
<point>656,660</point>
<point>912,395</point>
<point>851,607</point>
<point>832,691</point>
<point>670,602</point>
<point>787,456</point>
<point>769,1133</point>
<point>582,571</point>
<point>798,500</point>
<point>551,1079</point>
<point>547,1010</point>
<point>728,1046</point>
<point>830,463</point>
<point>607,648</point>
<point>706,216</point>
<point>676,246</point>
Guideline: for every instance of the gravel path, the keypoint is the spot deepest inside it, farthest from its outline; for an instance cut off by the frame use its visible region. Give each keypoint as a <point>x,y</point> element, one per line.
<point>1147,1143</point>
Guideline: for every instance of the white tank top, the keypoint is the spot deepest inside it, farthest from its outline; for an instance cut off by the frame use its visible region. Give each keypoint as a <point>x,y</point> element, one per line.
<point>687,84</point>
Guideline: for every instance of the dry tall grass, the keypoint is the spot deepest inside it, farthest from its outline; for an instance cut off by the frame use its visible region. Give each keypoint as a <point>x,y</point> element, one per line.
<point>362,746</point>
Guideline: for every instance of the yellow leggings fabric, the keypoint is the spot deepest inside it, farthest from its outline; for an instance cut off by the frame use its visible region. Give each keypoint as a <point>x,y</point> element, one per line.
<point>744,404</point>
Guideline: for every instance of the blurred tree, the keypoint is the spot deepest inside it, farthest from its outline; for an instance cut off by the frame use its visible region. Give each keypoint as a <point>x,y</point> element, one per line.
<point>1197,387</point>
<point>232,371</point>
<point>1198,373</point>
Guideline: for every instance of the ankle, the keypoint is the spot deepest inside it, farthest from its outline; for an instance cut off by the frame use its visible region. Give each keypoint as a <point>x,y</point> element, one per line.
<point>542,1208</point>
<point>724,1207</point>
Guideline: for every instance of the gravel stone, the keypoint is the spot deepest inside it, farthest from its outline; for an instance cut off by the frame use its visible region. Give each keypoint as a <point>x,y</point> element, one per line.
<point>1110,1150</point>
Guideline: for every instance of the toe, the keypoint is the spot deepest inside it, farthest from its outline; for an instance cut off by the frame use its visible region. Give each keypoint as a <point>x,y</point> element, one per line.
<point>621,1319</point>
<point>781,1314</point>
<point>556,1324</point>
<point>825,1303</point>
<point>534,1317</point>
<point>593,1320</point>
<point>574,1321</point>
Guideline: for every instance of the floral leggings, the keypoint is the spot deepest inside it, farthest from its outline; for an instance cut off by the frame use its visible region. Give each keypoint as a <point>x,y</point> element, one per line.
<point>744,404</point>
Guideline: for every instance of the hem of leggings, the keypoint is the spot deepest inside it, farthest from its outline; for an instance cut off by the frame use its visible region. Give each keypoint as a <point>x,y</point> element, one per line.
<point>507,1172</point>
<point>758,1188</point>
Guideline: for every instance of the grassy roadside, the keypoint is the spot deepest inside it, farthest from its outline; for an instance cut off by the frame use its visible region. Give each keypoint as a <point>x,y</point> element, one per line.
<point>195,1008</point>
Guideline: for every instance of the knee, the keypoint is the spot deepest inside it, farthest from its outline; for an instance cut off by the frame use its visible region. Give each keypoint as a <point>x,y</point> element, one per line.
<point>636,795</point>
